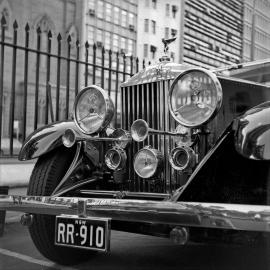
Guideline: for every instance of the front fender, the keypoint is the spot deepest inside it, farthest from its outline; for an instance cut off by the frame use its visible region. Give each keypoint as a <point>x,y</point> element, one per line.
<point>252,132</point>
<point>45,139</point>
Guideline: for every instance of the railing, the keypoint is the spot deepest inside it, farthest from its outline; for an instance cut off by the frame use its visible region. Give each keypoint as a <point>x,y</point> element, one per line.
<point>40,79</point>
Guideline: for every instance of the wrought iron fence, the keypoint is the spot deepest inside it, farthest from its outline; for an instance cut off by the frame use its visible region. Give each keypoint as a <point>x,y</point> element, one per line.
<point>41,75</point>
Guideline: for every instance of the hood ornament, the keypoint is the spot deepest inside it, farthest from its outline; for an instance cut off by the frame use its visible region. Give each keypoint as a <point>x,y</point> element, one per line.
<point>166,42</point>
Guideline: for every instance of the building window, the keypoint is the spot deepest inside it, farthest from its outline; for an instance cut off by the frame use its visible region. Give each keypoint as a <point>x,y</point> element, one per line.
<point>131,19</point>
<point>153,26</point>
<point>116,15</point>
<point>124,18</point>
<point>174,10</point>
<point>130,47</point>
<point>167,32</point>
<point>115,42</point>
<point>153,50</point>
<point>173,32</point>
<point>99,36</point>
<point>146,25</point>
<point>108,16</point>
<point>91,4</point>
<point>123,44</point>
<point>145,50</point>
<point>90,34</point>
<point>168,10</point>
<point>154,4</point>
<point>100,10</point>
<point>107,40</point>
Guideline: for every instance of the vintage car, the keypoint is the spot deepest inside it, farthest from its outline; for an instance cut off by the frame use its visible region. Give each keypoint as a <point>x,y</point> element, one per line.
<point>189,161</point>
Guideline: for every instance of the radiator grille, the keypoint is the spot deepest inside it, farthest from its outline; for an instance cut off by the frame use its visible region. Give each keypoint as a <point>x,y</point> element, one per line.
<point>149,102</point>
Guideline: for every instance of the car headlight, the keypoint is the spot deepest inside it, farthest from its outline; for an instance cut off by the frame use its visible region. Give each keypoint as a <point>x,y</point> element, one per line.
<point>93,110</point>
<point>148,161</point>
<point>115,159</point>
<point>195,97</point>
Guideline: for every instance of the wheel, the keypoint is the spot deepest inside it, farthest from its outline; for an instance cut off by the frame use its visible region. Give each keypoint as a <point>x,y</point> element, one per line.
<point>47,173</point>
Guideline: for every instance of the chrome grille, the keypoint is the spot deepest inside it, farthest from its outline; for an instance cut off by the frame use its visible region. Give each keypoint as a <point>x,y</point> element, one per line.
<point>149,102</point>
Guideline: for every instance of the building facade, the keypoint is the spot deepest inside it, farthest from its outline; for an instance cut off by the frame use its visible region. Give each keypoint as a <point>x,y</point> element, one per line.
<point>156,20</point>
<point>256,40</point>
<point>212,32</point>
<point>50,16</point>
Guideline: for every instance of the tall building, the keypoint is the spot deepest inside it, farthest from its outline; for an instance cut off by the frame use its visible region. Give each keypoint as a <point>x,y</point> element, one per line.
<point>212,32</point>
<point>156,20</point>
<point>256,30</point>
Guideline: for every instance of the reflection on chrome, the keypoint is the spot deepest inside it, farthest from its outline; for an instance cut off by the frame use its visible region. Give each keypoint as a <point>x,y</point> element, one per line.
<point>148,162</point>
<point>195,97</point>
<point>252,133</point>
<point>93,110</point>
<point>206,215</point>
<point>116,159</point>
<point>182,158</point>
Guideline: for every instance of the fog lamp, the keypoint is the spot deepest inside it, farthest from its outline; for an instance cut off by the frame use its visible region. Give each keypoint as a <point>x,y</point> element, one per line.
<point>182,158</point>
<point>148,162</point>
<point>115,159</point>
<point>139,130</point>
<point>69,138</point>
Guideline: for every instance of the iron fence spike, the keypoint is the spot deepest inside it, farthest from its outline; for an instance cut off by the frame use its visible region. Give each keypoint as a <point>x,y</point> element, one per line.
<point>3,21</point>
<point>27,27</point>
<point>15,25</point>
<point>59,37</point>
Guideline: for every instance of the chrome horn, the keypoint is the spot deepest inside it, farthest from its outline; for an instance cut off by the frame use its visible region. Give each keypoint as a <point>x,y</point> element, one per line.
<point>71,136</point>
<point>140,130</point>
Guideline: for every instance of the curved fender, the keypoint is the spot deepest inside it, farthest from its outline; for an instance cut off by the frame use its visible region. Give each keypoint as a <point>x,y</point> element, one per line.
<point>252,133</point>
<point>45,139</point>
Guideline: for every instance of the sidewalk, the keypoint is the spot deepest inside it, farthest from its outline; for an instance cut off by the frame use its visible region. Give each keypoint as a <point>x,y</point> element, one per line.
<point>15,174</point>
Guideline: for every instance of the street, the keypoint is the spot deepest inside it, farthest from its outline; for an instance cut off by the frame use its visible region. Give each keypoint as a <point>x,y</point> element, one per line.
<point>132,251</point>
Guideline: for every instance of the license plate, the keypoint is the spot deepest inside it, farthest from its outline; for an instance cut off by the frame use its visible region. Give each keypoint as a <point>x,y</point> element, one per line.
<point>80,232</point>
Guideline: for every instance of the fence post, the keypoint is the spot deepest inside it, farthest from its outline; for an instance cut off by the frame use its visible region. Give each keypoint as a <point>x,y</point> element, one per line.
<point>3,191</point>
<point>3,28</point>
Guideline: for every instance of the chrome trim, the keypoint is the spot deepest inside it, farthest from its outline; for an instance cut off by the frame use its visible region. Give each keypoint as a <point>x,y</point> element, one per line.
<point>195,214</point>
<point>123,135</point>
<point>252,132</point>
<point>109,109</point>
<point>219,96</point>
<point>84,137</point>
<point>126,194</point>
<point>121,162</point>
<point>76,162</point>
<point>191,158</point>
<point>140,123</point>
<point>159,72</point>
<point>75,185</point>
<point>158,157</point>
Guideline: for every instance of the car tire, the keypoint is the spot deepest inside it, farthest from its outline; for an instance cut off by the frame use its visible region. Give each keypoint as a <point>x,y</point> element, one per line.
<point>48,171</point>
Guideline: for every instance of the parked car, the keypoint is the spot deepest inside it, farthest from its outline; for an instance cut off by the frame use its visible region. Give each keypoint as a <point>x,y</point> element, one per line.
<point>190,162</point>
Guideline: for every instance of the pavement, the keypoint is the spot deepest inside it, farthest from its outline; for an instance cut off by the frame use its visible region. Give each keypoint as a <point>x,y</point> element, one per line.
<point>15,174</point>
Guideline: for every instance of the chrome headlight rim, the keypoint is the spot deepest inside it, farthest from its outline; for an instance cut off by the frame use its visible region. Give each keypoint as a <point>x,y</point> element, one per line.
<point>159,159</point>
<point>109,109</point>
<point>122,159</point>
<point>218,91</point>
<point>190,158</point>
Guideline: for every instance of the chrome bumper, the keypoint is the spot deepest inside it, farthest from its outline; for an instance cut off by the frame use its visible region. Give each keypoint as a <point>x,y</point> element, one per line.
<point>207,215</point>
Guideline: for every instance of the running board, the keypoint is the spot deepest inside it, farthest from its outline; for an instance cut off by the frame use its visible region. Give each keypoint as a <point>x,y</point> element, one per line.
<point>190,214</point>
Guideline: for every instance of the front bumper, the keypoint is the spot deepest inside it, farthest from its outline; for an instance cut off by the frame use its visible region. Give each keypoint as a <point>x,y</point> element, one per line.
<point>189,214</point>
